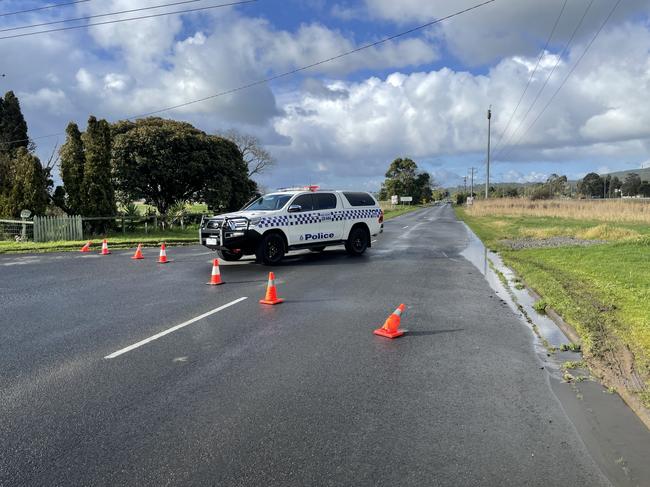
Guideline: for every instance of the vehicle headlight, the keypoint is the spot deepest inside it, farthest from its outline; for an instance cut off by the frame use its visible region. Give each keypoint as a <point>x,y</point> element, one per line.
<point>237,224</point>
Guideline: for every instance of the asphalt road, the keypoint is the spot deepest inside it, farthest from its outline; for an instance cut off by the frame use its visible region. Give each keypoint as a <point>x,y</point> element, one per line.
<point>298,394</point>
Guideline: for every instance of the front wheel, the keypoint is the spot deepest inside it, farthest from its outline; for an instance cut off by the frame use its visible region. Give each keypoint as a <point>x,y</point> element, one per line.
<point>357,241</point>
<point>271,249</point>
<point>229,256</point>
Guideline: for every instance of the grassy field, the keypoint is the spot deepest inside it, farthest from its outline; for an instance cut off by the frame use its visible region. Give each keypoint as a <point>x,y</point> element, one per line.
<point>601,290</point>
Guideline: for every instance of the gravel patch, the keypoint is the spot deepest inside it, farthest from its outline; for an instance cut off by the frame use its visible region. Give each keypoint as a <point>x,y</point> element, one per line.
<point>531,243</point>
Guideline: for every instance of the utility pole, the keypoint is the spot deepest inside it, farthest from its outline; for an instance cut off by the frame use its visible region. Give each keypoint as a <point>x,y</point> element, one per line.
<point>465,184</point>
<point>487,179</point>
<point>472,169</point>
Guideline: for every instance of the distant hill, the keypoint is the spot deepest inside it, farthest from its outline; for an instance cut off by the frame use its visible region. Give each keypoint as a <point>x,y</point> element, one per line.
<point>644,173</point>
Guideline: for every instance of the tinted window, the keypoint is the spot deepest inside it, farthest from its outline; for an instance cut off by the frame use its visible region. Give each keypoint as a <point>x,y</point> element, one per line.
<point>325,201</point>
<point>306,201</point>
<point>269,202</point>
<point>359,199</point>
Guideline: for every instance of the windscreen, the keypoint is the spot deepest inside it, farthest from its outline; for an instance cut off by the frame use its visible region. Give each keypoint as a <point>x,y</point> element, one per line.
<point>269,202</point>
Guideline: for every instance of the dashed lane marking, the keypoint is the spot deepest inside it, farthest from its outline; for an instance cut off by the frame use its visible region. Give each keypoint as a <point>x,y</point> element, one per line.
<point>173,329</point>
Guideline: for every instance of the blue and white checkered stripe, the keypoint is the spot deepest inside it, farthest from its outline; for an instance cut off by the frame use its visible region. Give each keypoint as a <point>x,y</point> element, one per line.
<point>308,218</point>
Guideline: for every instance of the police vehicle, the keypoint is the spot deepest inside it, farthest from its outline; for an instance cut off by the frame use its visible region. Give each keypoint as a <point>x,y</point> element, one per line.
<point>292,219</point>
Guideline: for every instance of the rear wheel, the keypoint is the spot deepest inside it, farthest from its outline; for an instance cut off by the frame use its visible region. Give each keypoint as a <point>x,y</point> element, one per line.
<point>271,249</point>
<point>357,241</point>
<point>229,256</point>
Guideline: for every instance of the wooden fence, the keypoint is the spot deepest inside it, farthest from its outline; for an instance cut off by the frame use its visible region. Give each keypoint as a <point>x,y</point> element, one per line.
<point>52,228</point>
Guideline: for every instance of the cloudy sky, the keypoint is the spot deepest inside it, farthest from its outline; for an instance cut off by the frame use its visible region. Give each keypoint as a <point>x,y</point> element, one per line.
<point>339,124</point>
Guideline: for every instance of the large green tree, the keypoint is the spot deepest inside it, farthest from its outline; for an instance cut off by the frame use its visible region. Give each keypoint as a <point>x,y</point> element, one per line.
<point>13,128</point>
<point>72,163</point>
<point>28,190</point>
<point>97,188</point>
<point>591,185</point>
<point>166,161</point>
<point>404,179</point>
<point>631,185</point>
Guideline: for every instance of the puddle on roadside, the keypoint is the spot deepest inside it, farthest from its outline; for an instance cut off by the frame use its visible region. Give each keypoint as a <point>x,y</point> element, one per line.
<point>615,437</point>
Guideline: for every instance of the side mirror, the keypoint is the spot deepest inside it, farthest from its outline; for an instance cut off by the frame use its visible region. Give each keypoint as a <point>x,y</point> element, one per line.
<point>294,208</point>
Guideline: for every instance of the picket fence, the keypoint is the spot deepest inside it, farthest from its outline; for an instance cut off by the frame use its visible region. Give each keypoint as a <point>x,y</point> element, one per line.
<point>52,228</point>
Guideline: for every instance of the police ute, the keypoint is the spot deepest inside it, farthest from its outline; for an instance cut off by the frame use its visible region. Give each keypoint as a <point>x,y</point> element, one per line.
<point>292,219</point>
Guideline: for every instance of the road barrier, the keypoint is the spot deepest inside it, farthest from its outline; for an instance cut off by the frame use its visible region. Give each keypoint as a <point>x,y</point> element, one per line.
<point>271,293</point>
<point>391,325</point>
<point>138,253</point>
<point>215,279</point>
<point>162,259</point>
<point>86,248</point>
<point>105,250</point>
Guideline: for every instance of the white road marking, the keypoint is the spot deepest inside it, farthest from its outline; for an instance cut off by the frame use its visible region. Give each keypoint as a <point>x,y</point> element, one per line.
<point>173,329</point>
<point>405,226</point>
<point>373,241</point>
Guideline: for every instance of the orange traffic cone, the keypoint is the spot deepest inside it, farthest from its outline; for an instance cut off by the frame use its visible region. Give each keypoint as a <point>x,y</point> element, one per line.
<point>215,280</point>
<point>391,326</point>
<point>138,253</point>
<point>86,248</point>
<point>271,293</point>
<point>105,250</point>
<point>163,254</point>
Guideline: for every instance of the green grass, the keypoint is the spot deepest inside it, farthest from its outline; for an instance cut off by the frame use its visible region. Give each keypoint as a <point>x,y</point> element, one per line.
<point>602,291</point>
<point>116,240</point>
<point>400,210</point>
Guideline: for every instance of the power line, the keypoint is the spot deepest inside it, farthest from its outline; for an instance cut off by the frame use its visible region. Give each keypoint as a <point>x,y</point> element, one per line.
<point>53,22</point>
<point>530,79</point>
<point>566,78</point>
<point>293,71</point>
<point>116,21</point>
<point>557,63</point>
<point>318,63</point>
<point>35,9</point>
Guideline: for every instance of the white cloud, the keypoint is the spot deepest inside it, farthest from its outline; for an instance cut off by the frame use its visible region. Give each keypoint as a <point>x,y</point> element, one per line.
<point>505,27</point>
<point>330,128</point>
<point>85,80</point>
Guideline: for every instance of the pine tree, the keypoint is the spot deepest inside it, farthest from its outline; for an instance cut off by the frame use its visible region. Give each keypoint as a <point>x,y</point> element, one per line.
<point>13,128</point>
<point>98,191</point>
<point>72,170</point>
<point>29,185</point>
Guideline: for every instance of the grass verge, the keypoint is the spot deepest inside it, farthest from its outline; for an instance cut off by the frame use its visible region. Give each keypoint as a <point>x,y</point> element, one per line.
<point>602,291</point>
<point>116,241</point>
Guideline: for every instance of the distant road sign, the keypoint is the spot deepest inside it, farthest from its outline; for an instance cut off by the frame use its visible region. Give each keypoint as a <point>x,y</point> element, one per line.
<point>25,214</point>
<point>406,199</point>
<point>394,199</point>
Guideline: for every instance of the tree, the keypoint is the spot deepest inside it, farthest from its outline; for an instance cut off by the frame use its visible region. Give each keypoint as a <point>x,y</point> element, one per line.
<point>73,160</point>
<point>614,185</point>
<point>400,178</point>
<point>28,190</point>
<point>166,161</point>
<point>13,128</point>
<point>631,185</point>
<point>644,189</point>
<point>97,187</point>
<point>423,188</point>
<point>591,185</point>
<point>257,158</point>
<point>557,185</point>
